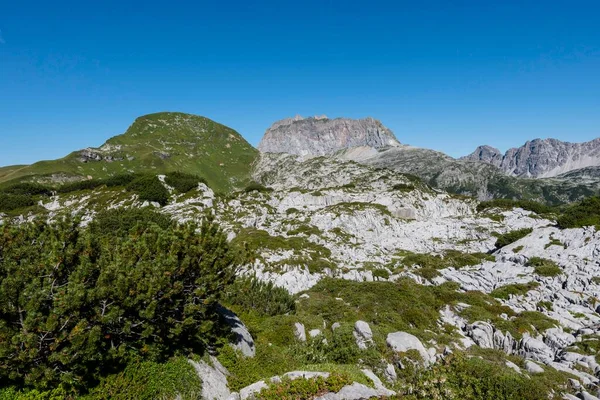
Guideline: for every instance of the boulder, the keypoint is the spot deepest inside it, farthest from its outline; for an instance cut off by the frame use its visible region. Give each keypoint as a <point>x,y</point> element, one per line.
<point>402,342</point>
<point>482,334</point>
<point>533,368</point>
<point>300,332</point>
<point>536,350</point>
<point>557,339</point>
<point>243,340</point>
<point>214,379</point>
<point>363,335</point>
<point>314,333</point>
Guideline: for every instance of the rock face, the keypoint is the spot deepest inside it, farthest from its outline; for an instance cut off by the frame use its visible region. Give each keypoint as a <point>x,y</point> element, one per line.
<point>317,136</point>
<point>541,158</point>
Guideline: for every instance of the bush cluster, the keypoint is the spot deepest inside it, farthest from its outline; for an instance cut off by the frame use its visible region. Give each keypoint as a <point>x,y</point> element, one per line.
<point>257,187</point>
<point>584,213</point>
<point>149,188</point>
<point>511,237</point>
<point>304,388</point>
<point>75,302</point>
<point>183,182</point>
<point>517,289</point>
<point>264,298</point>
<point>544,267</point>
<point>507,204</point>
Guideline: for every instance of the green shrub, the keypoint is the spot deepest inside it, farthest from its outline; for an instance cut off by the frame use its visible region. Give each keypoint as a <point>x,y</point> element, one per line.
<point>517,289</point>
<point>183,182</point>
<point>507,204</point>
<point>10,202</point>
<point>305,230</point>
<point>381,273</point>
<point>118,222</point>
<point>74,305</point>
<point>175,378</point>
<point>264,298</point>
<point>450,258</point>
<point>511,237</point>
<point>544,267</point>
<point>584,213</point>
<point>257,187</point>
<point>403,187</point>
<point>473,378</point>
<point>27,188</point>
<point>428,273</point>
<point>149,188</point>
<point>120,180</point>
<point>87,184</point>
<point>304,388</point>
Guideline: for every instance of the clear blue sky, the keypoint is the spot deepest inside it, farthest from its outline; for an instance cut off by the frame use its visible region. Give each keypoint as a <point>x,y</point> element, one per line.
<point>447,75</point>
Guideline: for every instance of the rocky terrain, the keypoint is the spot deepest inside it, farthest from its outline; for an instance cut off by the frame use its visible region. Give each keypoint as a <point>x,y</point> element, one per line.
<point>413,275</point>
<point>541,158</point>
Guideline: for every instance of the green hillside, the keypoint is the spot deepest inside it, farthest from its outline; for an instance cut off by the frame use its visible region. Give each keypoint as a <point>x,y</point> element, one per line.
<point>158,143</point>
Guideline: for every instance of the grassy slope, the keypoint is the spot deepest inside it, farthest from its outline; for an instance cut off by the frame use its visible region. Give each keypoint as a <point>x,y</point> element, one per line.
<point>160,142</point>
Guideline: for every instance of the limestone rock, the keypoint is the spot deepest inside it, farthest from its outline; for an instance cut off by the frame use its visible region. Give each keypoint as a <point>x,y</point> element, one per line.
<point>401,342</point>
<point>300,332</point>
<point>533,368</point>
<point>320,136</point>
<point>243,339</point>
<point>214,379</point>
<point>363,335</point>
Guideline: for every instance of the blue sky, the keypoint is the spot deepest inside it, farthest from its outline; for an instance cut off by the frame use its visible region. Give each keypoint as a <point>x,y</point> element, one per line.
<point>444,75</point>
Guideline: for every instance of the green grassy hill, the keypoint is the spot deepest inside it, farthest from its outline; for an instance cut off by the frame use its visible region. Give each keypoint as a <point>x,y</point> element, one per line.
<point>158,143</point>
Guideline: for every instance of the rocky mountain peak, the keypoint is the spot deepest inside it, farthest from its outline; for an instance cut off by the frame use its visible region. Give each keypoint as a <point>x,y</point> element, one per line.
<point>541,158</point>
<point>315,136</point>
<point>487,154</point>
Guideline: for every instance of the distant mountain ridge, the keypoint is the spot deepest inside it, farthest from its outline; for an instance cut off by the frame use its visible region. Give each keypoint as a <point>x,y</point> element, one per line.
<point>480,175</point>
<point>540,158</point>
<point>317,136</point>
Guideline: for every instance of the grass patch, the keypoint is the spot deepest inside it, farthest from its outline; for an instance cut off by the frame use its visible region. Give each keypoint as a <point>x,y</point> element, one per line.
<point>516,289</point>
<point>510,237</point>
<point>544,267</point>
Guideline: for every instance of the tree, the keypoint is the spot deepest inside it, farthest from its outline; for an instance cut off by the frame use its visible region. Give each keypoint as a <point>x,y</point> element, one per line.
<point>73,302</point>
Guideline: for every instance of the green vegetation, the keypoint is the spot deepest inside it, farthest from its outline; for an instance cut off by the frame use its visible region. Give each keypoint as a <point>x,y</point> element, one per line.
<point>474,378</point>
<point>183,182</point>
<point>584,213</point>
<point>304,388</point>
<point>544,267</point>
<point>150,380</point>
<point>11,202</point>
<point>264,298</point>
<point>149,188</point>
<point>306,253</point>
<point>511,237</point>
<point>450,258</point>
<point>517,289</point>
<point>161,143</point>
<point>78,304</point>
<point>120,221</point>
<point>403,187</point>
<point>257,187</point>
<point>507,204</point>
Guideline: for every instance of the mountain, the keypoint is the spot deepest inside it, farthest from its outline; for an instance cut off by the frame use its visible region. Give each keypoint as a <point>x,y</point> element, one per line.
<point>362,270</point>
<point>316,136</point>
<point>159,143</point>
<point>368,142</point>
<point>541,158</point>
